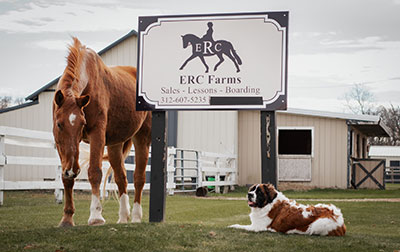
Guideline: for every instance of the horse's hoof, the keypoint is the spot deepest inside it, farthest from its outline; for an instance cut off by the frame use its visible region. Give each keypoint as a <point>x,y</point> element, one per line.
<point>96,222</point>
<point>66,224</point>
<point>237,71</point>
<point>122,221</point>
<point>137,213</point>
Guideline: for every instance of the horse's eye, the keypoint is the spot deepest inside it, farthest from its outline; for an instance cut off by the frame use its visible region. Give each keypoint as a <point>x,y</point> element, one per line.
<point>59,126</point>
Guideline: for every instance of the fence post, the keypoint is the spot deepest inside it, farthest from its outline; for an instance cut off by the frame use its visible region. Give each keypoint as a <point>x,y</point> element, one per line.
<point>58,191</point>
<point>234,175</point>
<point>199,162</point>
<point>170,172</point>
<point>2,165</point>
<point>217,176</point>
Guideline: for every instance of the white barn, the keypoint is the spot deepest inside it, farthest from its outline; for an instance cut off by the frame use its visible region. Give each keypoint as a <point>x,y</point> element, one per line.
<point>328,140</point>
<point>390,153</point>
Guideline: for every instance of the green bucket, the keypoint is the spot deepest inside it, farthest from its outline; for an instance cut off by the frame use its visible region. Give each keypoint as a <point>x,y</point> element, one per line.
<point>211,179</point>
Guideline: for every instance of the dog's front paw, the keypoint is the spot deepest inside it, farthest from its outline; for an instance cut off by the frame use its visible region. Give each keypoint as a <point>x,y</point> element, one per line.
<point>237,226</point>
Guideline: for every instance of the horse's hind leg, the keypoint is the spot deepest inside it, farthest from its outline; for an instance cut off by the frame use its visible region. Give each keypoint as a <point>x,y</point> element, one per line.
<point>229,54</point>
<point>221,59</point>
<point>142,142</point>
<point>204,63</point>
<point>116,156</point>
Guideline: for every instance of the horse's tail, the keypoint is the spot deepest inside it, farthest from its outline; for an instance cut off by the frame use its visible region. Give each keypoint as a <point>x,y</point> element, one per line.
<point>238,59</point>
<point>125,152</point>
<point>84,158</point>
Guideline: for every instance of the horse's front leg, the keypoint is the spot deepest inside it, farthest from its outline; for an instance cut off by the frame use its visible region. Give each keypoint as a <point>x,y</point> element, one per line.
<point>69,209</point>
<point>97,142</point>
<point>221,59</point>
<point>204,62</point>
<point>186,61</point>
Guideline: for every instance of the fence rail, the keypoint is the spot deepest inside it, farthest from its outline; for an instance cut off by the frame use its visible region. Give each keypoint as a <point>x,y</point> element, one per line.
<point>181,177</point>
<point>392,174</point>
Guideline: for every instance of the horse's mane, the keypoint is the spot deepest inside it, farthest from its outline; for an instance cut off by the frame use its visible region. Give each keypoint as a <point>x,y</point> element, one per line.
<point>74,62</point>
<point>192,35</point>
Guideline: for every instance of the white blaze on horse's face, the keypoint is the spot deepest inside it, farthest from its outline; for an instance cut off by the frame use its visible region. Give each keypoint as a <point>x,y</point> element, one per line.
<point>72,118</point>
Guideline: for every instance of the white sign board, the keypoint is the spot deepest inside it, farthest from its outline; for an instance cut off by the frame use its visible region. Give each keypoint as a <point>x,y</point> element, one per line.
<point>228,61</point>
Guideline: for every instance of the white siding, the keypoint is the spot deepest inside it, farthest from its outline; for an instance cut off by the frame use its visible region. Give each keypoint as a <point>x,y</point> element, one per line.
<point>35,117</point>
<point>329,162</point>
<point>125,54</point>
<point>213,131</point>
<point>249,141</point>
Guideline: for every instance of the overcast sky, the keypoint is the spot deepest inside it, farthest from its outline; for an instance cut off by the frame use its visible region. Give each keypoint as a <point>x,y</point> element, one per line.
<point>332,44</point>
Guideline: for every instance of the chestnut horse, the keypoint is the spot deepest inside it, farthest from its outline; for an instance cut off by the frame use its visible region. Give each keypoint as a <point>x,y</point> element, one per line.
<point>96,104</point>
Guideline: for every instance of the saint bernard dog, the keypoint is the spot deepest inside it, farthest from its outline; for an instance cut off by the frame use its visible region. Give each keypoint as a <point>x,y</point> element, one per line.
<point>273,211</point>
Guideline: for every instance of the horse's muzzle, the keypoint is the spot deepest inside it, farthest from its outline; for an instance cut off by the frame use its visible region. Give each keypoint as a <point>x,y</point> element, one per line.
<point>70,174</point>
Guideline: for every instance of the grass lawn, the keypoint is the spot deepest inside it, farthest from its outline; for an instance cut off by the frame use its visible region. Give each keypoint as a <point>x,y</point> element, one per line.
<point>28,222</point>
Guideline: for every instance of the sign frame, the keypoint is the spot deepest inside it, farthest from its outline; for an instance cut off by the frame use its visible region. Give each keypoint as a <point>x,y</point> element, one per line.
<point>217,102</point>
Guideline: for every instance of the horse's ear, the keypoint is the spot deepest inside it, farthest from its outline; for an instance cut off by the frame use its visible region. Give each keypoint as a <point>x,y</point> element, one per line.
<point>59,98</point>
<point>83,101</point>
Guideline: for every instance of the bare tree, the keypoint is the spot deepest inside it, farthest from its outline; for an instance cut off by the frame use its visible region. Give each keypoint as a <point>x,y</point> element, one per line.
<point>19,100</point>
<point>8,101</point>
<point>5,101</point>
<point>360,100</point>
<point>391,118</point>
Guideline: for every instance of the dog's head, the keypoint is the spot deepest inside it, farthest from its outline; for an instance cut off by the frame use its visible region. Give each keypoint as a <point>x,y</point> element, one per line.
<point>260,195</point>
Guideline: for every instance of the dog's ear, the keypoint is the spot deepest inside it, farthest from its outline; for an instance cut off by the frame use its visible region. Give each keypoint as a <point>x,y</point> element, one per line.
<point>270,192</point>
<point>252,188</point>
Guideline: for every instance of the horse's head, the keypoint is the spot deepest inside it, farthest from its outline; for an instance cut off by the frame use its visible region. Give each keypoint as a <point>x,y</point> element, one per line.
<point>68,123</point>
<point>185,41</point>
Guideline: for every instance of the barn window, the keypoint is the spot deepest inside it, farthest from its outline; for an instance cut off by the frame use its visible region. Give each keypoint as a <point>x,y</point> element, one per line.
<point>295,149</point>
<point>295,142</point>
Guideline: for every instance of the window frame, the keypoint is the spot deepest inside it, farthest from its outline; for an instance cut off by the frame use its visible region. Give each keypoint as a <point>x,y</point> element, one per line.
<point>296,128</point>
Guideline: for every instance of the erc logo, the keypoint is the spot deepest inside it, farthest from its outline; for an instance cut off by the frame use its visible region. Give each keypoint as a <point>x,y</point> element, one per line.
<point>206,46</point>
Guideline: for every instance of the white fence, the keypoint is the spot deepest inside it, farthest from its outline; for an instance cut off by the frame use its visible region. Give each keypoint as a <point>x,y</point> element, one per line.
<point>194,169</point>
<point>208,165</point>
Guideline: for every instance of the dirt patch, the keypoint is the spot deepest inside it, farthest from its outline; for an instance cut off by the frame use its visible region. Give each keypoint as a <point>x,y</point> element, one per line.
<point>355,200</point>
<point>333,200</point>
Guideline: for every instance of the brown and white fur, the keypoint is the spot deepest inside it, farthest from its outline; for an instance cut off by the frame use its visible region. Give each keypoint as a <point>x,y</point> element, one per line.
<point>273,211</point>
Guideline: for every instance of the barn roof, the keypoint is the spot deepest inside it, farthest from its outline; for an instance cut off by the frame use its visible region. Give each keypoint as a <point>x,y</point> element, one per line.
<point>335,115</point>
<point>34,96</point>
<point>369,125</point>
<point>384,151</point>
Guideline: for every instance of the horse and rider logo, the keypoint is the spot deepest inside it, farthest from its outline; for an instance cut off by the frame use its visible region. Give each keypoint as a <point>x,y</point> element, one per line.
<point>206,46</point>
